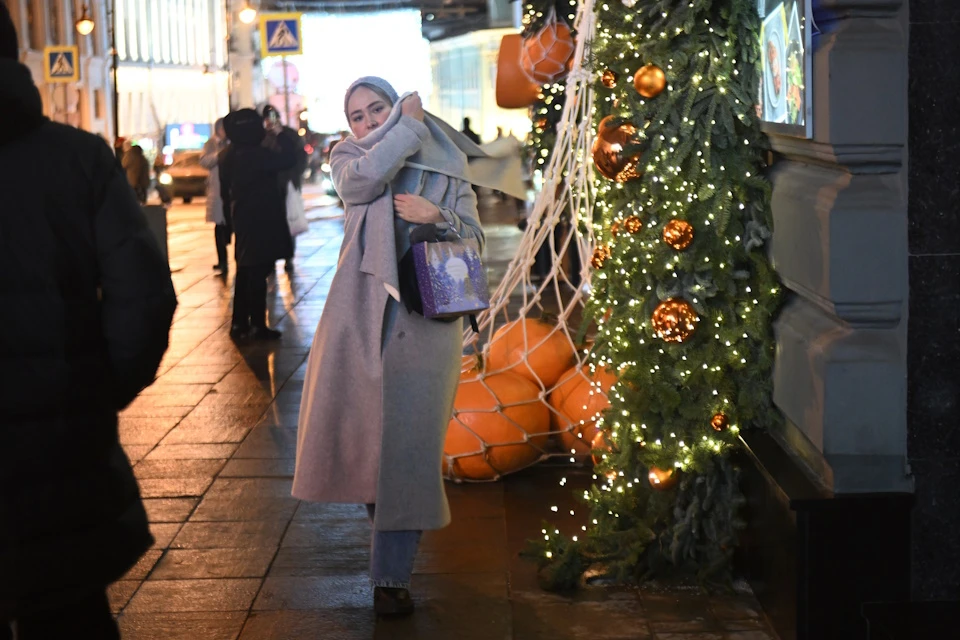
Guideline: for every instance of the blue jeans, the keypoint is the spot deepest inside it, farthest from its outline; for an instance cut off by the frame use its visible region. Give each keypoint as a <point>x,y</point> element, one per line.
<point>391,555</point>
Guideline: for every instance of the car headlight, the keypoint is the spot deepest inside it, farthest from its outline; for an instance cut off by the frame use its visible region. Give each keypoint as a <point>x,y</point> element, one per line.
<point>165,178</point>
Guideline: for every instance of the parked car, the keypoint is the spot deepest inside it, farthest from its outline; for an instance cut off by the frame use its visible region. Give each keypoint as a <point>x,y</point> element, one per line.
<point>186,178</point>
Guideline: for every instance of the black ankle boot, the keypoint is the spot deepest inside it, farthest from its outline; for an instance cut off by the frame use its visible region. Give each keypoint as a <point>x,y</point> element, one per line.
<point>392,601</point>
<point>264,333</point>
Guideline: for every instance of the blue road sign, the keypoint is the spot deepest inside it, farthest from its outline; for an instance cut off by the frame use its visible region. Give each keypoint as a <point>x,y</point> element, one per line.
<point>280,34</point>
<point>61,63</point>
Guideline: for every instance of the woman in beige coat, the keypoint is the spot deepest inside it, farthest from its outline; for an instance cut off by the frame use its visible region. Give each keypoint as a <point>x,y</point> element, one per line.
<point>381,381</point>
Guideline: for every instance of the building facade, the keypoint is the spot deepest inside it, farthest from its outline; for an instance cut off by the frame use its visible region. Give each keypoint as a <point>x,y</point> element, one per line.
<point>171,66</point>
<point>465,84</point>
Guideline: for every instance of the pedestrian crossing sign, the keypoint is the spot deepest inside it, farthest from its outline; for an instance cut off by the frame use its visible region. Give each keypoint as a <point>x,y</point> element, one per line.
<point>61,63</point>
<point>280,34</point>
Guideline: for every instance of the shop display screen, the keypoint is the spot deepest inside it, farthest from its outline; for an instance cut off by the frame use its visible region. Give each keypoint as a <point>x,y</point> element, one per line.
<point>186,135</point>
<point>785,82</point>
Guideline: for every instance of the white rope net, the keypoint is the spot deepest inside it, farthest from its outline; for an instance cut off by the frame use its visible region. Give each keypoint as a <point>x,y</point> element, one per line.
<point>528,393</point>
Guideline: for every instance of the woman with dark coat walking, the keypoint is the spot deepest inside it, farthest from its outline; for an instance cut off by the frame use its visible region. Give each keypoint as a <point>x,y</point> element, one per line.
<point>292,177</point>
<point>87,304</point>
<point>254,204</point>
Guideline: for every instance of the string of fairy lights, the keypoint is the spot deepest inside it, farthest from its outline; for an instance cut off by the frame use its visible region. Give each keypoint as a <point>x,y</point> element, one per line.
<point>683,212</point>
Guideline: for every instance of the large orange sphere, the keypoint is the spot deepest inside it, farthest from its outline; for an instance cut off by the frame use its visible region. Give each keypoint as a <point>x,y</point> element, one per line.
<point>500,425</point>
<point>514,89</point>
<point>536,350</point>
<point>578,401</point>
<point>608,155</point>
<point>546,55</point>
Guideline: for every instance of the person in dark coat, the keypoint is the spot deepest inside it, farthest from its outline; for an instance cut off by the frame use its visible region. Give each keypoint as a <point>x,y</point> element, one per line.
<point>255,205</point>
<point>293,176</point>
<point>87,305</point>
<point>470,133</point>
<point>138,172</point>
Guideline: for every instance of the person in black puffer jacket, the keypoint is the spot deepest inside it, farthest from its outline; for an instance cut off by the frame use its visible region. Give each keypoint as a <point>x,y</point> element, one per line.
<point>255,206</point>
<point>86,303</point>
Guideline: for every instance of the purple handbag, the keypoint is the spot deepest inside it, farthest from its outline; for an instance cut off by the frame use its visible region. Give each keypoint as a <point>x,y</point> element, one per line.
<point>451,278</point>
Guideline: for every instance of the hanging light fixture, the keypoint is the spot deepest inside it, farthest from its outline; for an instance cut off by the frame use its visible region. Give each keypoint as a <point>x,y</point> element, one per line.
<point>247,14</point>
<point>85,24</point>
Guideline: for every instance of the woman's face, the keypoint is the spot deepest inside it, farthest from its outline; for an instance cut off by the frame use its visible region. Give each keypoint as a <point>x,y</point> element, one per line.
<point>366,110</point>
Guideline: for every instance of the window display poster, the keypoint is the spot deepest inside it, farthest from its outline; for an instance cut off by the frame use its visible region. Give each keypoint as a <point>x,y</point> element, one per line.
<point>186,135</point>
<point>784,99</point>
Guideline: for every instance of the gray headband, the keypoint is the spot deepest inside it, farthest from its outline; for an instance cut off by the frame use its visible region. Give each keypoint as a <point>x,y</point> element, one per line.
<point>373,81</point>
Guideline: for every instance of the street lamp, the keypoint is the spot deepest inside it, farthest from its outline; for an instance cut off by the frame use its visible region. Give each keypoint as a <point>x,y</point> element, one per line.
<point>85,24</point>
<point>248,14</point>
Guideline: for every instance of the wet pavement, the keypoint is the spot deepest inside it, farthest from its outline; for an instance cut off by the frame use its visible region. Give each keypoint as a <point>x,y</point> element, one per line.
<point>213,443</point>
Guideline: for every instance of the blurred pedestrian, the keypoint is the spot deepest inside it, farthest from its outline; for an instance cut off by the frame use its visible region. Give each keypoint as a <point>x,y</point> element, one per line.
<point>291,180</point>
<point>89,303</point>
<point>254,206</point>
<point>138,171</point>
<point>470,133</point>
<point>221,230</point>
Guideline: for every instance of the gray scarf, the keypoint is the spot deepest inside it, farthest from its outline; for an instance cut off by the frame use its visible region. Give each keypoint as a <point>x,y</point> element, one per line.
<point>448,151</point>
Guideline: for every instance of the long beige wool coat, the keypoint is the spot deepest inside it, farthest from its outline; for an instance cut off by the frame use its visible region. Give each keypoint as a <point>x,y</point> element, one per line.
<point>380,381</point>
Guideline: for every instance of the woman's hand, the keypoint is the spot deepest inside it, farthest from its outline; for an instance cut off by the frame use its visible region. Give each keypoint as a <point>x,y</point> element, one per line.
<point>416,209</point>
<point>412,106</point>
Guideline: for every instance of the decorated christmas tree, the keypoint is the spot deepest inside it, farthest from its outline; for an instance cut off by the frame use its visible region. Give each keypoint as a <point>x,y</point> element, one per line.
<point>684,294</point>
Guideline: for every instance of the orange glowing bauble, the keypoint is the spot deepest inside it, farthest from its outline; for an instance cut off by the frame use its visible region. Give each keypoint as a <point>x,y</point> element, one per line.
<point>609,78</point>
<point>678,234</point>
<point>615,228</point>
<point>608,150</point>
<point>600,255</point>
<point>578,401</point>
<point>633,224</point>
<point>674,320</point>
<point>650,81</point>
<point>662,479</point>
<point>601,442</point>
<point>546,55</point>
<point>719,422</point>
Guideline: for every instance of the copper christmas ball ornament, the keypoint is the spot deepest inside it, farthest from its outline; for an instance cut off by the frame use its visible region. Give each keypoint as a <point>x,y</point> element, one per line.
<point>609,78</point>
<point>615,228</point>
<point>601,442</point>
<point>650,81</point>
<point>719,422</point>
<point>662,479</point>
<point>541,123</point>
<point>608,150</point>
<point>600,255</point>
<point>674,320</point>
<point>632,224</point>
<point>678,234</point>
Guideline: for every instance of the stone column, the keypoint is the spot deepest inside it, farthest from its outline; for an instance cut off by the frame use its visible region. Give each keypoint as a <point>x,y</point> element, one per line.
<point>241,58</point>
<point>933,356</point>
<point>840,246</point>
